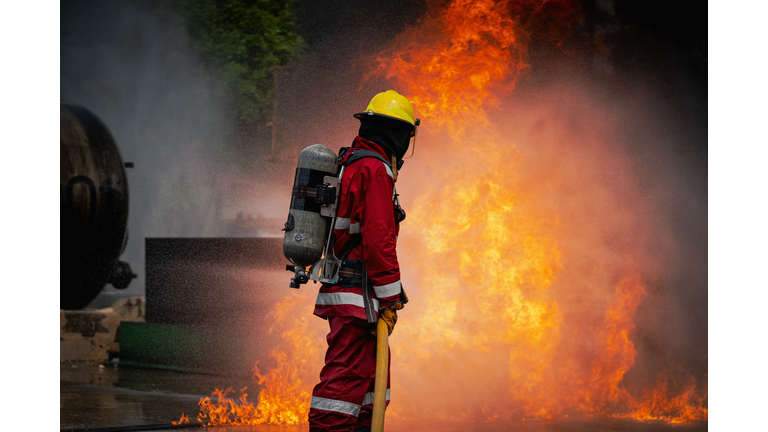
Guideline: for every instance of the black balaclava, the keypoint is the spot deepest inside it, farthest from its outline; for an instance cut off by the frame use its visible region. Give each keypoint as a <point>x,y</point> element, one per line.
<point>390,133</point>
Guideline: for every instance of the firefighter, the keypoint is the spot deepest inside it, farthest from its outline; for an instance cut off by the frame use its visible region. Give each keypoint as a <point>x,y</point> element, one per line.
<point>365,234</point>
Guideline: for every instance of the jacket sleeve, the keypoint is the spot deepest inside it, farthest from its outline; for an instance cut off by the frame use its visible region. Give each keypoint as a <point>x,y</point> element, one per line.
<point>378,230</point>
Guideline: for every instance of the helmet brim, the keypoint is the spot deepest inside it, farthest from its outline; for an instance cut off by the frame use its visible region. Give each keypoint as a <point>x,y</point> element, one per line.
<point>362,115</point>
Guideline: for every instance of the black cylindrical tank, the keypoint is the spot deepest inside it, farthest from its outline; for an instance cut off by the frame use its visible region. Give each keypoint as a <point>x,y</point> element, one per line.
<point>94,206</point>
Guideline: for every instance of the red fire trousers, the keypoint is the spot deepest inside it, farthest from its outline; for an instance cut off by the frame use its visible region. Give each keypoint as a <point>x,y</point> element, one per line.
<point>343,401</point>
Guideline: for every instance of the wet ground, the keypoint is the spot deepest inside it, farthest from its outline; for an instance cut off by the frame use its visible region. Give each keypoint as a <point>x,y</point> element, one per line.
<point>112,398</point>
<point>109,396</point>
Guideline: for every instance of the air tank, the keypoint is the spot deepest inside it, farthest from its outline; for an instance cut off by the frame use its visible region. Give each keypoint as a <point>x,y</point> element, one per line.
<point>94,209</point>
<point>306,229</point>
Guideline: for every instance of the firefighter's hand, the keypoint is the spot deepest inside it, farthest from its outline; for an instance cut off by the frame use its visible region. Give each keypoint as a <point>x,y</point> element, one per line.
<point>389,316</point>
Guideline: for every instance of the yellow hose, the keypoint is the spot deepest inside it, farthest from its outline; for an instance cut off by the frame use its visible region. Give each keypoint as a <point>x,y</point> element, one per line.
<point>380,386</point>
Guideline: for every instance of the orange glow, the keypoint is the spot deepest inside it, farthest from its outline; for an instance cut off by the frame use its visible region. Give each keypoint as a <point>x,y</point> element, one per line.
<point>286,390</point>
<point>461,56</point>
<point>525,276</point>
<point>660,405</point>
<point>227,411</point>
<point>602,394</point>
<point>491,275</point>
<point>182,419</point>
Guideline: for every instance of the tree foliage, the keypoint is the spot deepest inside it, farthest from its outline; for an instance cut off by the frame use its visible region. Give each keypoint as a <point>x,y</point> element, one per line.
<point>245,38</point>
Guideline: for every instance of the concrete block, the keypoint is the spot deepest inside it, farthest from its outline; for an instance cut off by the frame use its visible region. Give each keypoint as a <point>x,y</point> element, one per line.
<point>75,350</point>
<point>95,328</point>
<point>130,309</point>
<point>104,341</point>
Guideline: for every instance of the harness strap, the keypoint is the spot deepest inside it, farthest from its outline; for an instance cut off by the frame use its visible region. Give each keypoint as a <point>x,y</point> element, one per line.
<point>361,276</point>
<point>322,194</point>
<point>351,273</point>
<point>370,308</point>
<point>358,154</point>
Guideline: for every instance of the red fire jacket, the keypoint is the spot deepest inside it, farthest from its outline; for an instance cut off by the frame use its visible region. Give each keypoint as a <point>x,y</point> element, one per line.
<point>365,209</point>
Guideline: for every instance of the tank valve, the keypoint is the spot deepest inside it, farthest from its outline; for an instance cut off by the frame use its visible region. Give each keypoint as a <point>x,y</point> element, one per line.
<point>122,275</point>
<point>300,277</point>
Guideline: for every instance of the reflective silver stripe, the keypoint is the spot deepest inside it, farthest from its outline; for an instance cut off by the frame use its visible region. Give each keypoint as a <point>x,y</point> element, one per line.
<point>338,406</point>
<point>387,290</point>
<point>344,223</point>
<point>368,400</point>
<point>341,223</point>
<point>344,298</point>
<point>389,170</point>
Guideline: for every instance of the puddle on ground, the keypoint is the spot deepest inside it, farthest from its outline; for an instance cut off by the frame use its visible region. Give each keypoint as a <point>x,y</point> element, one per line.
<point>97,396</point>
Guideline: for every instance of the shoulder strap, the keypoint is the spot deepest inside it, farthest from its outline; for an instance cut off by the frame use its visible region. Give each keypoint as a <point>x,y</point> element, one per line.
<point>358,154</point>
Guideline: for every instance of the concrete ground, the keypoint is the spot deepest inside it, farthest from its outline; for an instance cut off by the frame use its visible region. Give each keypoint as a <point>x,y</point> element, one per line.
<point>108,396</point>
<point>101,396</point>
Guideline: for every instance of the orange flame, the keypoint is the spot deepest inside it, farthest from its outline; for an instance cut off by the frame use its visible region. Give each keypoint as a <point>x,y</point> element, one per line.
<point>602,393</point>
<point>510,304</point>
<point>491,249</point>
<point>226,411</point>
<point>458,58</point>
<point>286,390</point>
<point>659,405</point>
<point>182,419</point>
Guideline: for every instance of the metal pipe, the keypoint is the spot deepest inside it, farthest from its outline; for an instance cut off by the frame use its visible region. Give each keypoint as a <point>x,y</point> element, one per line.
<point>328,244</point>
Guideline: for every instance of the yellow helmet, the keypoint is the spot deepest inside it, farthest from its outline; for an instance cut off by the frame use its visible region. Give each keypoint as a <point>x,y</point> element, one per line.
<point>394,105</point>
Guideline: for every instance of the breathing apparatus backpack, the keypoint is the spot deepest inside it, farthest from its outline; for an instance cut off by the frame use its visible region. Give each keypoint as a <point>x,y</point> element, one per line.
<point>308,240</point>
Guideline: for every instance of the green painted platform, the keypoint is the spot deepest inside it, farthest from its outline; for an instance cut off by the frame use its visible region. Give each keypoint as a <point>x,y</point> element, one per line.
<point>212,350</point>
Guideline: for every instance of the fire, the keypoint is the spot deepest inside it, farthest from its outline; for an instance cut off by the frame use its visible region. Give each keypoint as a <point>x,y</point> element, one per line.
<point>287,389</point>
<point>458,58</point>
<point>602,393</point>
<point>659,405</point>
<point>523,301</point>
<point>491,274</point>
<point>182,419</point>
